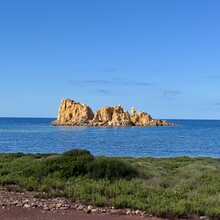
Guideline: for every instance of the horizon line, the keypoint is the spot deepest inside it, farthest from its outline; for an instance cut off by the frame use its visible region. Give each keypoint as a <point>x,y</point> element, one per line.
<point>40,117</point>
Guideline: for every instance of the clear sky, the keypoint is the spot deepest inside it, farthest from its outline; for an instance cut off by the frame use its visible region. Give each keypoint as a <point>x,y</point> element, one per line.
<point>160,56</point>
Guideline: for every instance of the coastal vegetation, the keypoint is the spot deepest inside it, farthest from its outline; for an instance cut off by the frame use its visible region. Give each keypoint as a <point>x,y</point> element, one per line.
<point>171,187</point>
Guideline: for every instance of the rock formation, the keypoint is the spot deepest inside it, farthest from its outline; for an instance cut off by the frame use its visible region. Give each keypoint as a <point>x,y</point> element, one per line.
<point>103,116</point>
<point>76,114</point>
<point>73,113</point>
<point>140,118</point>
<point>112,116</point>
<point>120,117</point>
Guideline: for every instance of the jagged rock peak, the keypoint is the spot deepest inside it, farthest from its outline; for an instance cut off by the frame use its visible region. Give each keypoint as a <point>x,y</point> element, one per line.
<point>75,114</point>
<point>112,116</point>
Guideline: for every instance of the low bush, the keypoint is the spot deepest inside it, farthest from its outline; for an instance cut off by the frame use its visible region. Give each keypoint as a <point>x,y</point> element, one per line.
<point>69,164</point>
<point>74,153</point>
<point>111,168</point>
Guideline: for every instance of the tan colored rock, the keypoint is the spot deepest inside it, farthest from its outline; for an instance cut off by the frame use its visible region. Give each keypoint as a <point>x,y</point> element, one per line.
<point>111,116</point>
<point>73,113</point>
<point>120,117</point>
<point>76,114</point>
<point>103,116</point>
<point>134,116</point>
<point>144,119</point>
<point>140,118</point>
<point>158,122</point>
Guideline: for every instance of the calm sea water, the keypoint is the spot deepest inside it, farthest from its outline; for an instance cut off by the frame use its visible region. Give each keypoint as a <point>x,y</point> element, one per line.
<point>36,135</point>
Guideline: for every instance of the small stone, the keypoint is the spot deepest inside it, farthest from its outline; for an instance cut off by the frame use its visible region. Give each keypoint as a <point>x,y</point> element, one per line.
<point>115,211</point>
<point>142,213</point>
<point>72,207</point>
<point>52,206</point>
<point>94,210</point>
<point>14,203</point>
<point>33,205</point>
<point>25,201</point>
<point>80,207</point>
<point>7,203</point>
<point>137,212</point>
<point>58,205</point>
<point>64,208</point>
<point>19,204</point>
<point>76,206</point>
<point>40,204</point>
<point>204,218</point>
<point>148,215</point>
<point>46,207</point>
<point>128,212</point>
<point>27,206</point>
<point>90,207</point>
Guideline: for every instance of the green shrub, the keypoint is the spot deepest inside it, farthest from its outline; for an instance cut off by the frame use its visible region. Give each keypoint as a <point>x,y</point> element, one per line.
<point>69,164</point>
<point>34,169</point>
<point>77,153</point>
<point>121,201</point>
<point>99,200</point>
<point>15,155</point>
<point>111,168</point>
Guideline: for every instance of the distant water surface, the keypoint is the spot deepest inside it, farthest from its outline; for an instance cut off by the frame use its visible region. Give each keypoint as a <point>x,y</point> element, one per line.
<point>36,135</point>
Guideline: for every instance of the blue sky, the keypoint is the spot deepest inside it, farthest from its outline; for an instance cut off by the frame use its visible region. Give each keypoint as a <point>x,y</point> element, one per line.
<point>160,56</point>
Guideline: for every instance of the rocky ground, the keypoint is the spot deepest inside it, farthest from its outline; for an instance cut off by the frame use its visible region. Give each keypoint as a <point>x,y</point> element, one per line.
<point>28,200</point>
<point>16,205</point>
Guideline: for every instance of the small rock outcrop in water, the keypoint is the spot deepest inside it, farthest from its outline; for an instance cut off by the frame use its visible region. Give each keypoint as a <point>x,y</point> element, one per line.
<point>75,114</point>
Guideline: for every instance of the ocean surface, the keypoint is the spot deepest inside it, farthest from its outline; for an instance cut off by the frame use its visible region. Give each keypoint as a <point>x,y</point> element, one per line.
<point>35,135</point>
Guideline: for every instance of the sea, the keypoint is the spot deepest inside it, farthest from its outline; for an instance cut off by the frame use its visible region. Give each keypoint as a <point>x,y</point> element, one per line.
<point>193,138</point>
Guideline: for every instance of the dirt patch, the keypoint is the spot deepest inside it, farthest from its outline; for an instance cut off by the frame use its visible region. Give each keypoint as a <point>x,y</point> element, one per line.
<point>20,213</point>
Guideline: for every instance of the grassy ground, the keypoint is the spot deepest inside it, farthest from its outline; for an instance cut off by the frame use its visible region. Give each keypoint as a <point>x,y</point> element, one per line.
<point>164,187</point>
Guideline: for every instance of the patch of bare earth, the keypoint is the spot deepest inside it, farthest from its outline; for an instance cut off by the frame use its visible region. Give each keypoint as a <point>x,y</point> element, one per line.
<point>20,213</point>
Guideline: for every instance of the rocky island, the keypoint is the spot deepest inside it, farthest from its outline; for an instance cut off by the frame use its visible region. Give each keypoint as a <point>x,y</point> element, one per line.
<point>73,113</point>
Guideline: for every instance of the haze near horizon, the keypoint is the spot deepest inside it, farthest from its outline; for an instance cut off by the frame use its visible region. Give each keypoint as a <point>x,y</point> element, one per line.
<point>161,57</point>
